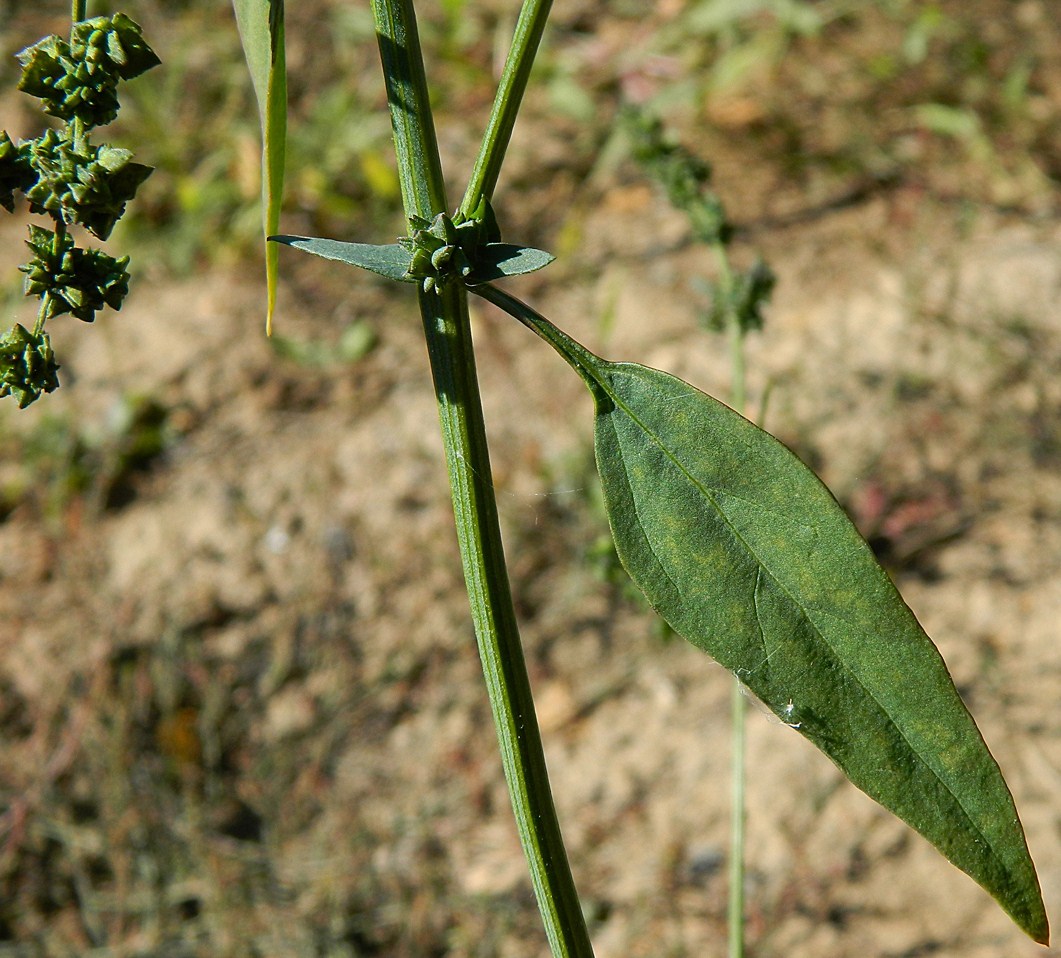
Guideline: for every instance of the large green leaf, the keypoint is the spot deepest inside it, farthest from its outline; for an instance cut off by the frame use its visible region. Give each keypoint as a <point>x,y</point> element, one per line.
<point>261,27</point>
<point>746,554</point>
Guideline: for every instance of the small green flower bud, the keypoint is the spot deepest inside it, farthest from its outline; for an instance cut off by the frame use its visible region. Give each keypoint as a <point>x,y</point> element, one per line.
<point>82,184</point>
<point>43,65</point>
<point>479,228</point>
<point>27,365</point>
<point>116,41</point>
<point>16,173</point>
<point>440,258</point>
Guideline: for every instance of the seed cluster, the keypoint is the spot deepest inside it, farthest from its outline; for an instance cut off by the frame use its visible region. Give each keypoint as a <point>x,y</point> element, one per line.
<point>445,249</point>
<point>63,175</point>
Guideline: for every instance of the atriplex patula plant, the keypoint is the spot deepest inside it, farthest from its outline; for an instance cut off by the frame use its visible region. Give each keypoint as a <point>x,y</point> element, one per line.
<point>737,545</point>
<point>732,539</point>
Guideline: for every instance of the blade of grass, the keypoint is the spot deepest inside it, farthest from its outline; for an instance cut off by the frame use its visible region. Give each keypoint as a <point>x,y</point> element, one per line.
<point>735,334</point>
<point>261,28</point>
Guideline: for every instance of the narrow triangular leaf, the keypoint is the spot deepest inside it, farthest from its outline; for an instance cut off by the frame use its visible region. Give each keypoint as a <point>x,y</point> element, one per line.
<point>392,261</point>
<point>261,28</point>
<point>744,552</point>
<point>497,260</point>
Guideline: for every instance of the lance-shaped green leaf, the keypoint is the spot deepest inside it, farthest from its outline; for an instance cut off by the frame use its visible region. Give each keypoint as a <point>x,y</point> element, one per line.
<point>261,27</point>
<point>392,261</point>
<point>746,554</point>
<point>493,260</point>
<point>497,260</point>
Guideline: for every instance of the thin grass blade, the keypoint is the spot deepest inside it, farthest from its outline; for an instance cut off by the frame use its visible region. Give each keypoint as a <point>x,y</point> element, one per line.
<point>261,28</point>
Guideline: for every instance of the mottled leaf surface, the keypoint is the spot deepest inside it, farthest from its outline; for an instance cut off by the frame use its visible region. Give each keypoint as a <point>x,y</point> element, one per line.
<point>392,261</point>
<point>746,554</point>
<point>261,28</point>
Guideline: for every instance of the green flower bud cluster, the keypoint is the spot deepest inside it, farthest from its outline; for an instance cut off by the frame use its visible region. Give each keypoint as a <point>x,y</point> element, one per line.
<point>687,181</point>
<point>83,184</point>
<point>79,79</point>
<point>747,294</point>
<point>78,281</point>
<point>27,365</point>
<point>444,249</point>
<point>62,174</point>
<point>685,178</point>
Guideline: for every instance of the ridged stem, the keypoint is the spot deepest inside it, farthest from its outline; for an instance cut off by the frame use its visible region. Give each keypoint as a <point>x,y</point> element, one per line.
<point>449,345</point>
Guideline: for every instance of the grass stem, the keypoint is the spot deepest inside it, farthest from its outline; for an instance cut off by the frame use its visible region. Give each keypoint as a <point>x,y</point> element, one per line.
<point>738,713</point>
<point>735,335</point>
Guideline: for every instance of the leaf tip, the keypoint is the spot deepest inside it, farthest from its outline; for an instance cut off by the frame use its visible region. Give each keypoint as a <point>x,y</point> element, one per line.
<point>1039,932</point>
<point>1027,909</point>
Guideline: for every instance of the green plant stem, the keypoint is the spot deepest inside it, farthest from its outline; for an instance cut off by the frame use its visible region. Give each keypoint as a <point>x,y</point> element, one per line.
<point>738,736</point>
<point>42,313</point>
<point>78,10</point>
<point>735,335</point>
<point>57,246</point>
<point>508,685</point>
<point>738,704</point>
<point>415,143</point>
<point>449,344</point>
<point>518,64</point>
<point>576,355</point>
